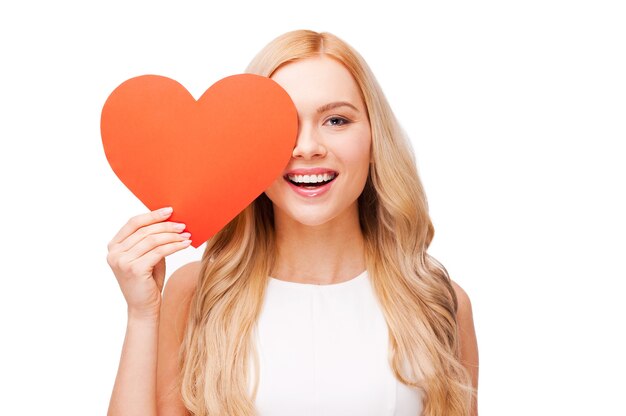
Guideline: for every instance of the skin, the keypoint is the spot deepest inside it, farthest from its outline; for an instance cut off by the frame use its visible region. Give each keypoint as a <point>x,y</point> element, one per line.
<point>333,133</point>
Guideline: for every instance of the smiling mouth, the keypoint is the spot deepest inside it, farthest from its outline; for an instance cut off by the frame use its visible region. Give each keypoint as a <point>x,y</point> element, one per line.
<point>311,181</point>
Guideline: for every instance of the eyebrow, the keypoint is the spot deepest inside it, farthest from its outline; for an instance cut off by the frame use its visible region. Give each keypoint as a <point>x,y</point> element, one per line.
<point>330,106</point>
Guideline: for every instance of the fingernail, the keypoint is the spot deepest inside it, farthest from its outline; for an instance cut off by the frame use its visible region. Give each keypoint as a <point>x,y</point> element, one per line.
<point>185,235</point>
<point>186,242</point>
<point>165,211</point>
<point>179,227</point>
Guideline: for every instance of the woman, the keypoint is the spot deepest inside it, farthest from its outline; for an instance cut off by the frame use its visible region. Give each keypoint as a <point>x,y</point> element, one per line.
<point>319,298</point>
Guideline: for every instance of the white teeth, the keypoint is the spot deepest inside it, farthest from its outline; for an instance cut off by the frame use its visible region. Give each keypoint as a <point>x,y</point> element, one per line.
<point>311,178</point>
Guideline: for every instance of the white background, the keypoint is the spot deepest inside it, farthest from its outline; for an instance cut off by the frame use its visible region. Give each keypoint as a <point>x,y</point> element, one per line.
<point>517,113</point>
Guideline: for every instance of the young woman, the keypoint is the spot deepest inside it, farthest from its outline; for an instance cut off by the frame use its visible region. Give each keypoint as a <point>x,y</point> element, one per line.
<point>320,297</point>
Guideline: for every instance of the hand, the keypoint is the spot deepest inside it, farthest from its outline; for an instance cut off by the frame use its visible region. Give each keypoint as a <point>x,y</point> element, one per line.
<point>137,257</point>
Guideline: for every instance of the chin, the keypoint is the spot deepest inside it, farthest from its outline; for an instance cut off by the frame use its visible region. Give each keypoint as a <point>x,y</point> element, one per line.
<point>313,221</point>
<point>316,216</point>
<point>301,217</point>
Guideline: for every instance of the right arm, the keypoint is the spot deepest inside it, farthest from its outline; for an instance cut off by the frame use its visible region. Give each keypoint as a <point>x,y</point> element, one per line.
<point>137,257</point>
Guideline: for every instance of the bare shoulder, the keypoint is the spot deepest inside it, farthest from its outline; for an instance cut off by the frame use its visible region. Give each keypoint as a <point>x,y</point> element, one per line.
<point>463,299</point>
<point>177,295</point>
<point>464,315</point>
<point>182,282</point>
<point>467,337</point>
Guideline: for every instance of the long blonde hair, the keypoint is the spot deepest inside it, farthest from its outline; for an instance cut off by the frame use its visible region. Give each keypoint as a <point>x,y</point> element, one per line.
<point>414,290</point>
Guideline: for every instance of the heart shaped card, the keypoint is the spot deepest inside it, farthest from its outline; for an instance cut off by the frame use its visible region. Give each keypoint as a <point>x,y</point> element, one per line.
<point>207,158</point>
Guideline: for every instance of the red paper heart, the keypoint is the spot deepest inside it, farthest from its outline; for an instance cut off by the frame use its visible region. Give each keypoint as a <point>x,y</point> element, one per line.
<point>208,159</point>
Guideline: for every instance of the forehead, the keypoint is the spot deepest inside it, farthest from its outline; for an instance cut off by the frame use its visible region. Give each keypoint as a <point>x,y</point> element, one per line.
<point>316,81</point>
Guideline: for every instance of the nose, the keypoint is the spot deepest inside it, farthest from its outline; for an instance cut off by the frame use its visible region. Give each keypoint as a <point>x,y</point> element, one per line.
<point>308,144</point>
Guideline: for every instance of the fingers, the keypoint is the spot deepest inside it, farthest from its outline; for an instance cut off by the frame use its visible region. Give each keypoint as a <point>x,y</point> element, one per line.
<point>156,254</point>
<point>143,256</point>
<point>143,232</point>
<point>152,242</point>
<point>139,221</point>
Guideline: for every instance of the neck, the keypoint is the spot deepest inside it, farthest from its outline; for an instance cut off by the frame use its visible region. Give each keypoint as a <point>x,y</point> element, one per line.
<point>329,253</point>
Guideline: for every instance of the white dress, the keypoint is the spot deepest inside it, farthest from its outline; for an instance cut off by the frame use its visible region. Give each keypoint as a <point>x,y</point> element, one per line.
<point>323,351</point>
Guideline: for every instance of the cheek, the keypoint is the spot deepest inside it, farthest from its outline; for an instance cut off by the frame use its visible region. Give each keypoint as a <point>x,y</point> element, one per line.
<point>357,152</point>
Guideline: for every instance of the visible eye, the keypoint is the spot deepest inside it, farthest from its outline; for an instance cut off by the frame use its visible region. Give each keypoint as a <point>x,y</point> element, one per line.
<point>337,121</point>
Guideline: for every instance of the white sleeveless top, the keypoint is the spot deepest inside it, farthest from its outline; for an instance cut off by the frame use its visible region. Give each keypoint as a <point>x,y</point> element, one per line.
<point>323,351</point>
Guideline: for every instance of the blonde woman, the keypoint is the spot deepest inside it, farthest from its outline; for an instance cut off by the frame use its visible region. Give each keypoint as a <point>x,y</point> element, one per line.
<point>320,297</point>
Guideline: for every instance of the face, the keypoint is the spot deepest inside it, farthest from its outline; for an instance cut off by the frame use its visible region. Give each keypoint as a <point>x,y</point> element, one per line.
<point>330,162</point>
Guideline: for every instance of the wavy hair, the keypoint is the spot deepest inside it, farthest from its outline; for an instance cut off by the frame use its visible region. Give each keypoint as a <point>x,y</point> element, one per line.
<point>414,290</point>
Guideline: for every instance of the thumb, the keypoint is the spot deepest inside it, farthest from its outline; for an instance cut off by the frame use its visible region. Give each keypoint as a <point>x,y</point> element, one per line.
<point>159,274</point>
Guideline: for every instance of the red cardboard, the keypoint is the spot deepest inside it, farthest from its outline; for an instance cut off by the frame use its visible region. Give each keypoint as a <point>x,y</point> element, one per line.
<point>208,159</point>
